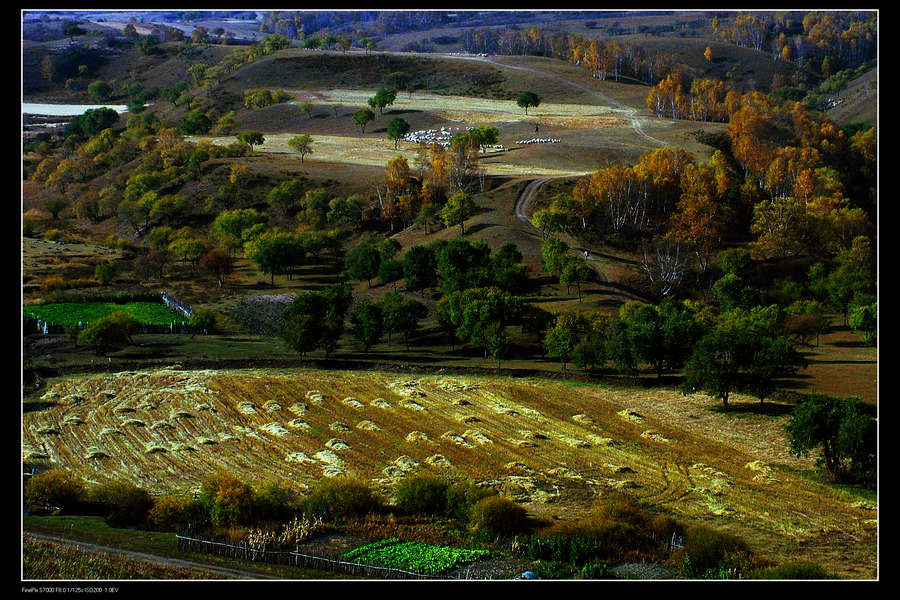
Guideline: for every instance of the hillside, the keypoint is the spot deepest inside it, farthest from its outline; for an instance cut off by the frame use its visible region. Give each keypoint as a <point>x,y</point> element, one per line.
<point>552,446</point>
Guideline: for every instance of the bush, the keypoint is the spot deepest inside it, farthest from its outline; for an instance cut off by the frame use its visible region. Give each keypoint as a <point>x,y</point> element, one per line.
<point>792,570</point>
<point>53,491</point>
<point>422,494</point>
<point>204,320</point>
<point>124,503</point>
<point>276,503</point>
<point>228,500</point>
<point>498,516</point>
<point>105,273</point>
<point>462,496</point>
<point>341,497</point>
<point>595,570</point>
<point>115,329</point>
<point>706,548</point>
<point>54,283</point>
<point>169,513</point>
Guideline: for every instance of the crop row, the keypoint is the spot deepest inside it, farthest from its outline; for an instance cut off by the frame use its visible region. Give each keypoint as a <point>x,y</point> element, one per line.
<point>418,557</point>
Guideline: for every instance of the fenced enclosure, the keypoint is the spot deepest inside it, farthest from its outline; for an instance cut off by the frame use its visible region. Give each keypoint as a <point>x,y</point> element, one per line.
<point>295,558</point>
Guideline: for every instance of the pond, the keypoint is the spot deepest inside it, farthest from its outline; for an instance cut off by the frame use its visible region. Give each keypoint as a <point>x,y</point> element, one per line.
<point>66,110</point>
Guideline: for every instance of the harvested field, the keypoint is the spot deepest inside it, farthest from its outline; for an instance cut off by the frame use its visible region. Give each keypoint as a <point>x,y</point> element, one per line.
<point>378,151</point>
<point>551,446</point>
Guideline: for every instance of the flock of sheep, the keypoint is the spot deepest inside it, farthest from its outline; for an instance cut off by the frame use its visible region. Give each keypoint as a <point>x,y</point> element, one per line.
<point>443,136</point>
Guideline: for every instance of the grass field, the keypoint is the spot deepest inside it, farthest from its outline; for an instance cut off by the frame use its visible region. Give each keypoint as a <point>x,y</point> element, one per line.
<point>551,445</point>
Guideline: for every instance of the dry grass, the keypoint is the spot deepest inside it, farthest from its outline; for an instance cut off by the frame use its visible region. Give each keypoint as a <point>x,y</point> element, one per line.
<point>554,447</point>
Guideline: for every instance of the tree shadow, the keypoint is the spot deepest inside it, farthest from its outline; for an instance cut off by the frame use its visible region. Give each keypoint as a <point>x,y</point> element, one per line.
<point>769,409</point>
<point>479,227</point>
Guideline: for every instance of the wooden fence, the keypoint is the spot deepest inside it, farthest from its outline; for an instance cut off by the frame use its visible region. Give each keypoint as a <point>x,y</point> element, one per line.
<point>243,551</point>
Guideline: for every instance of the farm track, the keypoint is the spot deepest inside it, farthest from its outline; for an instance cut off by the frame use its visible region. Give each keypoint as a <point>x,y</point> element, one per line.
<point>163,561</point>
<point>598,262</point>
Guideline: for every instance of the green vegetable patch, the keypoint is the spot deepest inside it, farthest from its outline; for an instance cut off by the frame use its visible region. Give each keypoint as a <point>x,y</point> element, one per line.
<point>71,313</point>
<point>424,559</point>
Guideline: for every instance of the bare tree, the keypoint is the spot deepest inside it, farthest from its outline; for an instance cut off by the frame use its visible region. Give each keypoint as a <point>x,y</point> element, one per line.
<point>664,265</point>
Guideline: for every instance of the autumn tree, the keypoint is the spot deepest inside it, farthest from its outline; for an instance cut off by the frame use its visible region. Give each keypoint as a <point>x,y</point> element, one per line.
<point>700,218</point>
<point>218,263</point>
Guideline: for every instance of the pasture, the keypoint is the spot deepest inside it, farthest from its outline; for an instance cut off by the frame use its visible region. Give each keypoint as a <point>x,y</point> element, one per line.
<point>553,446</point>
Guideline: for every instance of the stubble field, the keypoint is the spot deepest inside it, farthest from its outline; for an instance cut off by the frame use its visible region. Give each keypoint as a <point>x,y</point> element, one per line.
<point>555,447</point>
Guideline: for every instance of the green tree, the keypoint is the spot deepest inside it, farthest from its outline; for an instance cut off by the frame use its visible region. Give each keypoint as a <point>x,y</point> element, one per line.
<point>420,268</point>
<point>463,264</point>
<point>251,138</point>
<point>390,271</point>
<point>362,117</point>
<point>196,122</point>
<point>561,339</point>
<point>302,332</point>
<point>844,432</point>
<point>484,135</point>
<point>363,262</point>
<point>661,336</point>
<point>554,253</point>
<point>741,352</point>
<point>401,315</point>
<point>481,314</point>
<point>383,97</point>
<point>397,129</point>
<point>367,321</point>
<point>459,207</point>
<point>229,226</point>
<point>100,91</point>
<point>286,197</point>
<point>367,43</point>
<point>864,318</point>
<point>271,252</point>
<point>527,99</point>
<point>316,319</point>
<point>301,144</point>
<point>507,271</point>
<point>575,272</point>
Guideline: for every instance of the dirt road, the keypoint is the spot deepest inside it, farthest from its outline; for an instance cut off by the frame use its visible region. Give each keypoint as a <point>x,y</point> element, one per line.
<point>153,558</point>
<point>597,261</point>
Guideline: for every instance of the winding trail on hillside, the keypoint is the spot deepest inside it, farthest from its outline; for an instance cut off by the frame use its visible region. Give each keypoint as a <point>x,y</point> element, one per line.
<point>598,262</point>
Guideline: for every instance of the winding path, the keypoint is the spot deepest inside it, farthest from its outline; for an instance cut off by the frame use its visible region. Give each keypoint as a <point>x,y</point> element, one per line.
<point>164,561</point>
<point>595,261</point>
